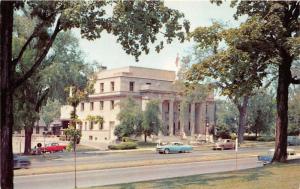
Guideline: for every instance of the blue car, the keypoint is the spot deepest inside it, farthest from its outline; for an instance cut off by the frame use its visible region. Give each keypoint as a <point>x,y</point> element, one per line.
<point>174,147</point>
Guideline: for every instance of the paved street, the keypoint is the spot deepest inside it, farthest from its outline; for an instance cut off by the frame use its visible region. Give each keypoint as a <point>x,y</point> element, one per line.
<point>99,157</point>
<point>133,174</point>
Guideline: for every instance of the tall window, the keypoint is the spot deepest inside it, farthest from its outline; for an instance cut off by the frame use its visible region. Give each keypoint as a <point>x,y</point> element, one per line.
<point>131,86</point>
<point>91,106</point>
<point>101,87</point>
<point>112,104</point>
<point>112,86</point>
<point>101,105</point>
<point>82,107</point>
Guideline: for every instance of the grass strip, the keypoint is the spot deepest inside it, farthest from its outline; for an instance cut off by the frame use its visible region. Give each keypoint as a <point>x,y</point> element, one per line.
<point>276,176</point>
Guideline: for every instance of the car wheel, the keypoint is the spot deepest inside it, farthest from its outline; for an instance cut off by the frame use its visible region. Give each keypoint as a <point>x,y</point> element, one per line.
<point>166,151</point>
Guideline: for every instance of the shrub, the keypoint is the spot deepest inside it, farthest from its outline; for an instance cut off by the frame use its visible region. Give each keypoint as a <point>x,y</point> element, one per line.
<point>232,136</point>
<point>266,138</point>
<point>251,138</point>
<point>123,146</point>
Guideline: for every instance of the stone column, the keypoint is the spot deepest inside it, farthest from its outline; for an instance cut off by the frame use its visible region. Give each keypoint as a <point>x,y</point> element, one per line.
<point>171,116</point>
<point>161,117</point>
<point>192,119</point>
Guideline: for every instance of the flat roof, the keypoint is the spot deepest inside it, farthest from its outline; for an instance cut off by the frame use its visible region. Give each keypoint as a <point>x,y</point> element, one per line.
<point>138,72</point>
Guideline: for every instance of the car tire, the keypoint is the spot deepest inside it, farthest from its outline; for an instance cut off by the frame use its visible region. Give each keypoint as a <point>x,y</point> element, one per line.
<point>167,151</point>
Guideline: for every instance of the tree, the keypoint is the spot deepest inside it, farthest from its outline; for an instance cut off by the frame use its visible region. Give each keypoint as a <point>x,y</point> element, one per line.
<point>271,31</point>
<point>50,111</point>
<point>151,123</point>
<point>261,114</point>
<point>189,92</point>
<point>50,81</point>
<point>226,67</point>
<point>130,117</point>
<point>227,114</point>
<point>135,23</point>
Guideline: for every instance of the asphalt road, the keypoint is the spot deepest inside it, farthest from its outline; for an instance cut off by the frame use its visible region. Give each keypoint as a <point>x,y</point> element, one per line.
<point>60,159</point>
<point>133,174</point>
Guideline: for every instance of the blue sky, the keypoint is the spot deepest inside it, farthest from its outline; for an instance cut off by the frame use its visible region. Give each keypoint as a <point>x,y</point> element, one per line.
<point>109,53</point>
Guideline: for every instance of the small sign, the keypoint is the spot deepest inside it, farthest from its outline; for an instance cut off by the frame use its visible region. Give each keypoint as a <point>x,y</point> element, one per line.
<point>236,144</point>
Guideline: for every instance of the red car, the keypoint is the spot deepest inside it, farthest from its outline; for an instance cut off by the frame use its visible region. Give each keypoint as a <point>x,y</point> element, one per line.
<point>53,147</point>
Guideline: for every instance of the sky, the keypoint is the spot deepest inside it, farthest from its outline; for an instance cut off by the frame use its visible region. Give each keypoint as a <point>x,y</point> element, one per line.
<point>108,52</point>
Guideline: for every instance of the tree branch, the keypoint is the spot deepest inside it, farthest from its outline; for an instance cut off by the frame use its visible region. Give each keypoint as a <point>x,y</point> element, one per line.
<point>40,101</point>
<point>41,58</point>
<point>295,81</point>
<point>16,60</point>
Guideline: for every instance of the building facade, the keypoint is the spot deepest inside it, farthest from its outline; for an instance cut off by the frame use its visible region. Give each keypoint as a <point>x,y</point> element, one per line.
<point>142,84</point>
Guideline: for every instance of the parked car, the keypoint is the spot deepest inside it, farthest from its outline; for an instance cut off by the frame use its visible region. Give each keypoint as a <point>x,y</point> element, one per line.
<point>224,144</point>
<point>21,162</point>
<point>265,159</point>
<point>293,140</point>
<point>174,147</point>
<point>53,147</point>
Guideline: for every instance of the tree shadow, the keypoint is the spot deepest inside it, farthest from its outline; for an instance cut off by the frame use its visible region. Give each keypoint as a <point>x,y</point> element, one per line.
<point>255,174</point>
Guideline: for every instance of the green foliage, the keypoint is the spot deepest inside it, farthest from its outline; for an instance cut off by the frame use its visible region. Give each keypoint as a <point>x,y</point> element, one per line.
<point>266,138</point>
<point>130,117</point>
<point>66,66</point>
<point>73,134</point>
<point>227,67</point>
<point>95,119</point>
<point>151,123</point>
<point>250,138</point>
<point>227,115</point>
<point>261,114</point>
<point>50,111</point>
<point>123,146</point>
<point>135,23</point>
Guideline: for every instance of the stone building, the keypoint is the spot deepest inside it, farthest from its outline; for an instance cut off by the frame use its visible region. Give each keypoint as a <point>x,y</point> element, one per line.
<point>143,84</point>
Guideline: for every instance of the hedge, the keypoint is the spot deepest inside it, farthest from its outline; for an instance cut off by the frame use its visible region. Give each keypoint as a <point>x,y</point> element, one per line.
<point>123,146</point>
<point>266,138</point>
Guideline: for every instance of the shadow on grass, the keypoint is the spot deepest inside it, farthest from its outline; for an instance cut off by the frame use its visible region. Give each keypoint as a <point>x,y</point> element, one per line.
<point>176,182</point>
<point>254,174</point>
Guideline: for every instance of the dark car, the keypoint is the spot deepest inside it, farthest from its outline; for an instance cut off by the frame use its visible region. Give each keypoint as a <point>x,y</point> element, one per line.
<point>21,162</point>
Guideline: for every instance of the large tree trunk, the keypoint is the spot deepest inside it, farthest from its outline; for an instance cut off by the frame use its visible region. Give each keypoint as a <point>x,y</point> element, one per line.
<point>145,138</point>
<point>28,135</point>
<point>280,154</point>
<point>6,109</point>
<point>242,119</point>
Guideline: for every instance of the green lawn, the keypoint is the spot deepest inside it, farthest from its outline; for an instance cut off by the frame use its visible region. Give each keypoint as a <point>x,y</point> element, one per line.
<point>279,176</point>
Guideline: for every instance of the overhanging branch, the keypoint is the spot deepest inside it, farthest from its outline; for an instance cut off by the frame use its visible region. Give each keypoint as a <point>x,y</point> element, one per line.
<point>41,58</point>
<point>17,60</point>
<point>295,81</point>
